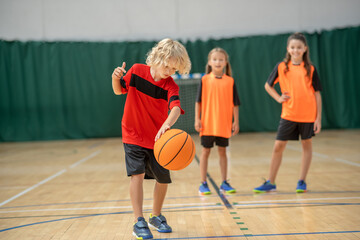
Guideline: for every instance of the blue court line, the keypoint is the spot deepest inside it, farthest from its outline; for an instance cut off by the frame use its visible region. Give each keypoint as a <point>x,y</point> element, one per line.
<point>214,208</point>
<point>69,203</point>
<point>184,197</point>
<point>217,206</point>
<point>222,196</point>
<point>92,202</point>
<point>57,220</point>
<point>128,212</point>
<point>259,235</point>
<point>293,193</point>
<point>103,214</point>
<point>294,203</point>
<point>290,205</point>
<point>230,236</point>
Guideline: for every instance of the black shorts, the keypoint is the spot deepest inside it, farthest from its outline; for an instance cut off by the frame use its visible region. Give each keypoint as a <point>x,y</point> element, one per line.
<point>142,160</point>
<point>289,130</point>
<point>208,141</point>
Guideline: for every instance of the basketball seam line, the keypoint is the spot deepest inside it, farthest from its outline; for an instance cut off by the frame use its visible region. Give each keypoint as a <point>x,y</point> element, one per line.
<point>187,135</point>
<point>166,142</point>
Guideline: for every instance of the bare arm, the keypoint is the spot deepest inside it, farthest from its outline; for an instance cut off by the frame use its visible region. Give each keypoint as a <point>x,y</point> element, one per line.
<point>235,126</point>
<point>117,74</point>
<point>197,124</point>
<point>274,94</point>
<point>317,123</point>
<point>171,120</point>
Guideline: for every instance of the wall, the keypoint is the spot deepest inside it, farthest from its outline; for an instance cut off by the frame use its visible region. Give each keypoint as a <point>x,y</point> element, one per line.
<point>138,20</point>
<point>57,90</point>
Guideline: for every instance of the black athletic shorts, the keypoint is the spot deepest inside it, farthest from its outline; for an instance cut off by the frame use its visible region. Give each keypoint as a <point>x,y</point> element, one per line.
<point>142,160</point>
<point>289,130</point>
<point>208,141</point>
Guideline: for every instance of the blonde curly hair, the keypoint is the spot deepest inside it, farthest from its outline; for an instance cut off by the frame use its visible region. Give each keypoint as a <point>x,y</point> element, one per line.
<point>168,49</point>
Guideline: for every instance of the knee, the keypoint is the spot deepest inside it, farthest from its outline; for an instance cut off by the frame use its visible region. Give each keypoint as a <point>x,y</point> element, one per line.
<point>279,146</point>
<point>307,144</point>
<point>222,151</point>
<point>206,151</point>
<point>138,177</point>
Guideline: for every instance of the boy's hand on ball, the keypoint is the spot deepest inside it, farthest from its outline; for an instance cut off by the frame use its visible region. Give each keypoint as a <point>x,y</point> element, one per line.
<point>162,131</point>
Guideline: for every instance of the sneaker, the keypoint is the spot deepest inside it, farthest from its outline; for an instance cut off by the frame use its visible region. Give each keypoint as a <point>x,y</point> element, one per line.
<point>225,186</point>
<point>141,229</point>
<point>204,189</point>
<point>159,223</point>
<point>266,187</point>
<point>301,186</point>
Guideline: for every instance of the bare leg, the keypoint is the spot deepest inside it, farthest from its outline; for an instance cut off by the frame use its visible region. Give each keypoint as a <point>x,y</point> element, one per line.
<point>276,159</point>
<point>137,194</point>
<point>306,157</point>
<point>160,190</point>
<point>204,163</point>
<point>223,162</point>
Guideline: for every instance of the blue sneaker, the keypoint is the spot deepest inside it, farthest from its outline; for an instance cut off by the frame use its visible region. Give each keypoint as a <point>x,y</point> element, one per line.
<point>301,186</point>
<point>159,223</point>
<point>204,189</point>
<point>266,187</point>
<point>141,229</point>
<point>225,186</point>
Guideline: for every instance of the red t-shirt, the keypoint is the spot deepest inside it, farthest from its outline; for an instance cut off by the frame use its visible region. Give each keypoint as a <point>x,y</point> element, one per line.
<point>147,105</point>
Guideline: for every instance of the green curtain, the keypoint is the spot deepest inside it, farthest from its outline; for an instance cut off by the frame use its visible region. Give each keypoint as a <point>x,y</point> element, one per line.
<point>62,90</point>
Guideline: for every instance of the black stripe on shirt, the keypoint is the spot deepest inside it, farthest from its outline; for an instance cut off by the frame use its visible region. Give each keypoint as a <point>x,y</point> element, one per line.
<point>122,82</point>
<point>173,98</point>
<point>198,97</point>
<point>236,98</point>
<point>316,81</point>
<point>273,75</point>
<point>148,88</point>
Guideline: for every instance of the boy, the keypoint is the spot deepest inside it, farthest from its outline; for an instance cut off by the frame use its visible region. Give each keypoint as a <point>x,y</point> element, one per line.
<point>151,94</point>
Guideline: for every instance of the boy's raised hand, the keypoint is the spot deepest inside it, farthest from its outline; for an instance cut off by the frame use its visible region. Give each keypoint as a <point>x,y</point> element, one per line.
<point>119,72</point>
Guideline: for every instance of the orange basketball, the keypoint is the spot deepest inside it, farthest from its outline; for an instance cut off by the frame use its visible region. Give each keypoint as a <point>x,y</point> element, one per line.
<point>174,150</point>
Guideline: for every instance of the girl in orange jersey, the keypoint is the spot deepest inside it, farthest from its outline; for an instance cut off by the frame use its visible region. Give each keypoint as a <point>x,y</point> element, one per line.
<point>216,114</point>
<point>301,107</point>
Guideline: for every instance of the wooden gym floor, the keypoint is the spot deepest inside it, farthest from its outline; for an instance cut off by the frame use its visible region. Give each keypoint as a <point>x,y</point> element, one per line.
<point>79,190</point>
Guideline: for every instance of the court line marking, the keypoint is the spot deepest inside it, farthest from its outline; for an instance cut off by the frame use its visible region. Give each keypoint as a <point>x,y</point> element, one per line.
<point>186,204</point>
<point>258,235</point>
<point>33,187</point>
<point>195,205</point>
<point>230,236</point>
<point>326,156</point>
<point>49,178</point>
<point>297,200</point>
<point>220,194</point>
<point>85,159</point>
<point>176,209</point>
<point>347,162</point>
<point>183,197</point>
